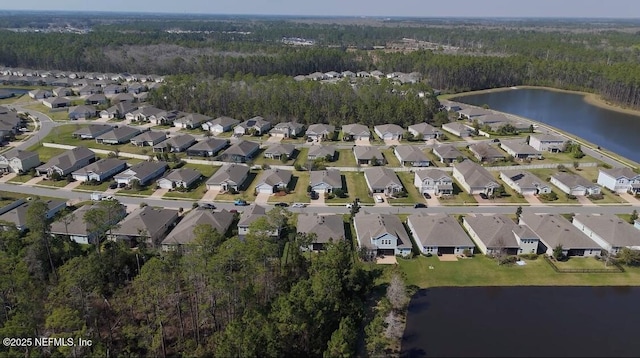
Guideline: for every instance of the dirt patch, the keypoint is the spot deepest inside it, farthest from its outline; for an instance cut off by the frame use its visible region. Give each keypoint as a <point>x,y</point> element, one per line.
<point>448,258</point>
<point>386,260</point>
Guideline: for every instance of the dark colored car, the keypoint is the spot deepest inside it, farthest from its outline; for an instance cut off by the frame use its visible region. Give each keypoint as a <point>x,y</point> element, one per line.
<point>427,195</point>
<point>122,185</point>
<point>208,206</point>
<point>314,195</point>
<point>282,205</point>
<point>113,185</point>
<point>419,205</point>
<point>484,196</point>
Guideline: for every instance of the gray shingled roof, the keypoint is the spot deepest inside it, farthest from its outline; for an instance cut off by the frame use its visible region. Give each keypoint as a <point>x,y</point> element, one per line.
<point>186,175</point>
<point>438,230</point>
<point>145,221</point>
<point>77,226</point>
<point>19,154</point>
<point>320,128</point>
<point>68,159</point>
<point>409,153</point>
<point>524,179</point>
<point>424,128</point>
<point>356,129</point>
<point>93,130</point>
<point>229,172</point>
<point>242,148</point>
<point>275,176</point>
<point>389,128</point>
<point>381,177</point>
<point>370,225</point>
<point>620,172</point>
<point>183,232</point>
<point>321,151</point>
<point>447,152</point>
<point>251,214</point>
<point>612,229</point>
<point>434,174</point>
<point>330,176</point>
<point>485,150</point>
<point>555,230</point>
<point>573,180</point>
<point>494,230</point>
<point>367,153</point>
<point>149,136</point>
<point>119,133</point>
<point>225,121</point>
<point>475,175</point>
<point>326,227</point>
<point>209,144</point>
<point>519,147</point>
<point>100,167</point>
<point>179,141</point>
<point>280,149</point>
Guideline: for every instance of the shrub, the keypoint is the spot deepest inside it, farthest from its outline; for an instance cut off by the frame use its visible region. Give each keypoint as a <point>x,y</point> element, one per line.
<point>571,197</point>
<point>298,167</point>
<point>529,256</point>
<point>467,253</point>
<point>549,196</point>
<point>508,260</point>
<point>596,196</point>
<point>428,254</point>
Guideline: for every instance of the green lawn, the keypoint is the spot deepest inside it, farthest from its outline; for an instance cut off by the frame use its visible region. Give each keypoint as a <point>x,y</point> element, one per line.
<point>21,179</point>
<point>413,195</point>
<point>591,173</point>
<point>46,153</point>
<point>482,271</point>
<point>60,115</point>
<point>459,197</point>
<point>301,159</point>
<point>53,183</point>
<point>392,160</point>
<point>432,157</point>
<point>298,194</point>
<point>199,190</point>
<point>511,195</point>
<point>260,159</point>
<point>145,191</point>
<point>9,197</point>
<point>100,187</point>
<point>356,188</point>
<point>246,192</point>
<point>17,99</point>
<point>345,158</point>
<point>563,158</point>
<point>582,263</point>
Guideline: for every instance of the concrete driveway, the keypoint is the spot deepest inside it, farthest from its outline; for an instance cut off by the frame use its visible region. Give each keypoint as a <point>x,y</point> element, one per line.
<point>583,200</point>
<point>533,200</point>
<point>629,198</point>
<point>262,198</point>
<point>33,181</point>
<point>159,193</point>
<point>362,142</point>
<point>433,201</point>
<point>391,142</point>
<point>318,202</point>
<point>5,178</point>
<point>72,185</point>
<point>210,195</point>
<point>274,139</point>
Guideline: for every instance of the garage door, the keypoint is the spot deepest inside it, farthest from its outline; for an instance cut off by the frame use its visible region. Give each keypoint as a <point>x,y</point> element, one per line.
<point>267,190</point>
<point>446,250</point>
<point>386,252</point>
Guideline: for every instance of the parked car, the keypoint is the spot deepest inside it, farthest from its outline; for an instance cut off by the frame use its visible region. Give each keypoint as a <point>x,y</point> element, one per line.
<point>349,206</point>
<point>484,196</point>
<point>419,205</point>
<point>240,202</point>
<point>427,195</point>
<point>379,199</point>
<point>122,185</point>
<point>298,205</point>
<point>281,205</point>
<point>314,195</point>
<point>208,206</point>
<point>113,185</point>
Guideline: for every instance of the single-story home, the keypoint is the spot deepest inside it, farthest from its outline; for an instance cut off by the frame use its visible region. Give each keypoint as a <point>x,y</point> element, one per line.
<point>524,182</point>
<point>409,155</point>
<point>273,180</point>
<point>554,230</point>
<point>118,111</point>
<point>325,181</point>
<point>319,131</point>
<point>220,125</point>
<point>287,130</point>
<point>609,231</point>
<point>447,153</point>
<point>424,131</point>
<point>325,229</point>
<point>92,131</point>
<point>76,229</point>
<point>67,162</point>
<point>520,150</point>
<point>433,181</point>
<point>355,132</point>
<point>368,155</point>
<point>256,124</point>
<point>277,151</point>
<point>96,99</point>
<point>458,129</point>
<point>497,234</point>
<point>249,216</point>
<point>486,153</point>
<point>118,135</point>
<point>381,234</point>
<point>179,178</point>
<point>16,212</point>
<point>620,180</point>
<point>40,94</point>
<point>148,138</point>
<point>241,151</point>
<point>191,121</point>
<point>82,112</point>
<point>100,171</point>
<point>18,161</point>
<point>208,147</point>
<point>439,234</point>
<point>147,224</point>
<point>144,172</point>
<point>574,184</point>
<point>474,178</point>
<point>389,131</point>
<point>56,102</point>
<point>175,144</point>
<point>228,177</point>
<point>321,151</point>
<point>382,180</point>
<point>183,233</point>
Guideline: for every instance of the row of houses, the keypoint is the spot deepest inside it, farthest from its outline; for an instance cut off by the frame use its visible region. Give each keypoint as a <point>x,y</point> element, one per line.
<point>71,78</point>
<point>400,77</point>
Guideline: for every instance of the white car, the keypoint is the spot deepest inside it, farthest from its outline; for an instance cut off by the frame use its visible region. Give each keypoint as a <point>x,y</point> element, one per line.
<point>298,205</point>
<point>349,206</point>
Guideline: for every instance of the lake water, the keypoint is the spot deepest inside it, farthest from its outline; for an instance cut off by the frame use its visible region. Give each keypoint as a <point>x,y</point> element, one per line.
<point>523,322</point>
<point>615,131</point>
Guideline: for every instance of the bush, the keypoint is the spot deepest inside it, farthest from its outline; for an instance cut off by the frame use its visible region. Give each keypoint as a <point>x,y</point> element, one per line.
<point>428,254</point>
<point>549,196</point>
<point>596,196</point>
<point>508,260</point>
<point>467,253</point>
<point>571,197</point>
<point>529,256</point>
<point>298,167</point>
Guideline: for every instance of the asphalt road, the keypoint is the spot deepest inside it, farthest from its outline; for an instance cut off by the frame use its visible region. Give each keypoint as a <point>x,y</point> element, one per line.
<point>45,126</point>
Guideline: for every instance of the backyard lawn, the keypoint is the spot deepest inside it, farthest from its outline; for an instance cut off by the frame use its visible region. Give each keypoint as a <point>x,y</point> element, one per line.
<point>580,263</point>
<point>301,159</point>
<point>298,194</point>
<point>260,159</point>
<point>345,158</point>
<point>413,196</point>
<point>45,153</point>
<point>355,187</point>
<point>459,197</point>
<point>100,187</point>
<point>392,160</point>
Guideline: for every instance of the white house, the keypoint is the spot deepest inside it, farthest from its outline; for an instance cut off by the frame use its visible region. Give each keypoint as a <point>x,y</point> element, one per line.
<point>474,178</point>
<point>389,131</point>
<point>18,161</point>
<point>620,180</point>
<point>273,180</point>
<point>547,142</point>
<point>497,233</point>
<point>574,184</point>
<point>554,231</point>
<point>609,231</point>
<point>228,177</point>
<point>433,181</point>
<point>424,131</point>
<point>179,178</point>
<point>524,182</point>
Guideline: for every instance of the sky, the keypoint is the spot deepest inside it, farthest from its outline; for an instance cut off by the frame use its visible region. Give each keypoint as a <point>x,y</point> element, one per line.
<point>413,8</point>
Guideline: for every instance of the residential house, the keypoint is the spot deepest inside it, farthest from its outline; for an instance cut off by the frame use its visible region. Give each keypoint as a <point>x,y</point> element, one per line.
<point>496,234</point>
<point>118,111</point>
<point>554,231</point>
<point>148,138</point>
<point>547,142</point>
<point>471,113</point>
<point>62,91</point>
<point>16,212</point>
<point>609,231</point>
<point>75,228</point>
<point>458,129</point>
<point>321,151</point>
<point>40,94</point>
<point>249,216</point>
<point>183,233</point>
<point>180,178</point>
<point>389,131</point>
<point>620,180</point>
<point>56,102</point>
<point>273,180</point>
<point>317,76</point>
<point>143,172</point>
<point>220,125</point>
<point>320,131</point>
<point>382,180</point>
<point>424,131</point>
<point>486,153</point>
<point>10,124</point>
<point>278,151</point>
<point>377,74</point>
<point>367,155</point>
<point>82,112</point>
<point>147,225</point>
<point>18,161</point>
<point>92,131</point>
<point>136,88</point>
<point>287,130</point>
<point>175,144</point>
<point>324,228</point>
<point>142,114</point>
<point>520,150</point>
<point>118,135</point>
<point>241,152</point>
<point>325,181</point>
<point>524,182</point>
<point>447,153</point>
<point>67,162</point>
<point>409,155</point>
<point>574,184</point>
<point>122,97</point>
<point>433,181</point>
<point>228,177</point>
<point>89,90</point>
<point>96,99</point>
<point>355,132</point>
<point>381,234</point>
<point>363,74</point>
<point>113,89</point>
<point>191,121</point>
<point>474,178</point>
<point>208,147</point>
<point>439,234</point>
<point>257,125</point>
<point>166,117</point>
<point>100,171</point>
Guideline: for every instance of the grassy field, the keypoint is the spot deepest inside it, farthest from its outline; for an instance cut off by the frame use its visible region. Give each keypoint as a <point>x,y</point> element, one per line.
<point>392,160</point>
<point>582,263</point>
<point>345,158</point>
<point>16,100</point>
<point>199,190</point>
<point>301,159</point>
<point>511,195</point>
<point>19,179</point>
<point>145,191</point>
<point>60,115</point>
<point>459,197</point>
<point>45,153</point>
<point>298,194</point>
<point>100,187</point>
<point>356,188</point>
<point>260,159</point>
<point>432,157</point>
<point>53,183</point>
<point>413,195</point>
<point>482,271</point>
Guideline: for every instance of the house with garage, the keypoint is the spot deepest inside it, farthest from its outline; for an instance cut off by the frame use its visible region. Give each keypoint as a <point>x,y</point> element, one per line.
<point>100,171</point>
<point>325,181</point>
<point>424,131</point>
<point>439,234</point>
<point>176,144</point>
<point>82,112</point>
<point>458,129</point>
<point>474,178</point>
<point>136,88</point>
<point>97,99</point>
<point>256,125</point>
<point>15,214</point>
<point>381,235</point>
<point>241,152</point>
<point>143,114</point>
<point>40,94</point>
<point>447,153</point>
<point>147,225</point>
<point>208,147</point>
<point>166,117</point>
<point>113,89</point>
<point>322,151</point>
<point>143,172</point>
<point>118,135</point>
<point>118,111</point>
<point>486,153</point>
<point>179,178</point>
<point>67,162</point>
<point>279,151</point>
<point>273,180</point>
<point>122,97</point>
<point>554,230</point>
<point>320,131</point>
<point>92,131</point>
<point>472,113</point>
<point>287,130</point>
<point>520,150</point>
<point>250,215</point>
<point>229,177</point>
<point>148,138</point>
<point>183,234</point>
<point>433,181</point>
<point>220,125</point>
<point>368,155</point>
<point>56,102</point>
<point>76,229</point>
<point>524,183</point>
<point>382,180</point>
<point>355,132</point>
<point>609,231</point>
<point>620,180</point>
<point>497,234</point>
<point>389,131</point>
<point>191,121</point>
<point>62,91</point>
<point>574,184</point>
<point>18,161</point>
<point>89,90</point>
<point>545,142</point>
<point>411,156</point>
<point>324,228</point>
